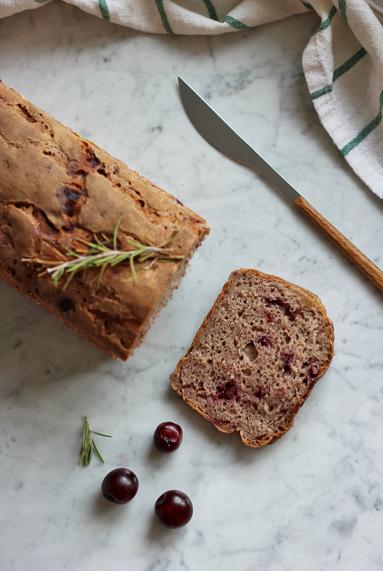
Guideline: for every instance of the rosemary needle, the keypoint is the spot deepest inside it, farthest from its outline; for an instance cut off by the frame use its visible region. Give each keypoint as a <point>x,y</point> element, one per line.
<point>88,445</point>
<point>101,253</point>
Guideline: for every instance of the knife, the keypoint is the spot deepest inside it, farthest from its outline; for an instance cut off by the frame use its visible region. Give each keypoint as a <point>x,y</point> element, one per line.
<point>218,133</point>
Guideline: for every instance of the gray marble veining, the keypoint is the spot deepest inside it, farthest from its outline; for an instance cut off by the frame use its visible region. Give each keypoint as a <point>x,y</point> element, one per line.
<point>312,501</point>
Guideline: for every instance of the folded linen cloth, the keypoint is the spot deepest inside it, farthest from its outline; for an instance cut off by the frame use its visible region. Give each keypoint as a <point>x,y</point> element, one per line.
<point>343,61</point>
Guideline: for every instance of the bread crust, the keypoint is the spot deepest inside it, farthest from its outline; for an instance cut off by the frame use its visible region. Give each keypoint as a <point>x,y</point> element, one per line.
<point>57,188</point>
<point>313,300</point>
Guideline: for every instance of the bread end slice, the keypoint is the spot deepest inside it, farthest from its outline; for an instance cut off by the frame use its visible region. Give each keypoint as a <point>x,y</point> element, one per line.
<point>256,357</point>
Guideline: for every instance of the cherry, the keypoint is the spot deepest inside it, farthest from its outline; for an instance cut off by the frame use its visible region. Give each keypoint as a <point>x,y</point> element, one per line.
<point>228,391</point>
<point>167,436</point>
<point>120,486</point>
<point>174,509</point>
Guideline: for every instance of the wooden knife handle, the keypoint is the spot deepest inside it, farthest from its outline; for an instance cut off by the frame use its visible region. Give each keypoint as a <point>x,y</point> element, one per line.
<point>355,256</point>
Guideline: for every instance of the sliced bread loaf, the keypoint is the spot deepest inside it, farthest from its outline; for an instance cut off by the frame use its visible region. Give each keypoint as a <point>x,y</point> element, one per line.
<point>256,357</point>
<point>60,192</point>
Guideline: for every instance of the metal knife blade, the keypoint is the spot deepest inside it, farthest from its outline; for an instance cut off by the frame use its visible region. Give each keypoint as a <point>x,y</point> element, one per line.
<point>222,137</point>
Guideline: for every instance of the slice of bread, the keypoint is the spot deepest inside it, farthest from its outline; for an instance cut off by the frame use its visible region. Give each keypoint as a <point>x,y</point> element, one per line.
<point>256,357</point>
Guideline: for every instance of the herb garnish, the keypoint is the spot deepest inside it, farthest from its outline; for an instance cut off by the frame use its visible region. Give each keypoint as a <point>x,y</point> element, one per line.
<point>103,252</point>
<point>88,445</point>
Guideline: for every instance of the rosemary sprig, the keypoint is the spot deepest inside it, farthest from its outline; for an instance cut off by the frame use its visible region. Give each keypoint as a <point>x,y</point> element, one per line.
<point>102,253</point>
<point>88,445</point>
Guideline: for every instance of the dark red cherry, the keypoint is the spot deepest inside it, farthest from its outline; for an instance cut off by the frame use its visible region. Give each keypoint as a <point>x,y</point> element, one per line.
<point>174,509</point>
<point>167,436</point>
<point>120,486</point>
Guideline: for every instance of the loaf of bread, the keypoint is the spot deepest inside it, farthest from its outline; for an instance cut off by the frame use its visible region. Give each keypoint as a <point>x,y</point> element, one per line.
<point>256,357</point>
<point>58,193</point>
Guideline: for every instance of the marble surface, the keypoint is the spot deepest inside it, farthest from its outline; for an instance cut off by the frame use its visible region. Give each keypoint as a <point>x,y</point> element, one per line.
<point>312,501</point>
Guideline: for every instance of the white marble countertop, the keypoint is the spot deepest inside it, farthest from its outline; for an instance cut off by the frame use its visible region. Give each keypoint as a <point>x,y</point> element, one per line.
<point>312,501</point>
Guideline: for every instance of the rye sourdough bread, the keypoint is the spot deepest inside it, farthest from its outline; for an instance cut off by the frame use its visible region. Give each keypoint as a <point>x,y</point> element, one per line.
<point>57,190</point>
<point>256,357</point>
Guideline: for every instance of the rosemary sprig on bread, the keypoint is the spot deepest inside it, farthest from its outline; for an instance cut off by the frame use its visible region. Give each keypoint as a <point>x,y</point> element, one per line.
<point>103,252</point>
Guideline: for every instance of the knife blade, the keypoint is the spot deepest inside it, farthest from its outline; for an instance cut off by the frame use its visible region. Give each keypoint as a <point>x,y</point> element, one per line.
<point>223,138</point>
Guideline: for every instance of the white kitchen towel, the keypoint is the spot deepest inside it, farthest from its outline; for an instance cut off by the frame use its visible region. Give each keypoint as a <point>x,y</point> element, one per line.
<point>343,61</point>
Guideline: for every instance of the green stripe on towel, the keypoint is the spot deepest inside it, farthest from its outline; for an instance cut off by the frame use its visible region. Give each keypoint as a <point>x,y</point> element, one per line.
<point>348,64</point>
<point>236,23</point>
<point>164,19</point>
<point>104,9</point>
<point>327,21</point>
<point>342,9</point>
<point>211,9</point>
<point>365,131</point>
<point>321,91</point>
<point>306,5</point>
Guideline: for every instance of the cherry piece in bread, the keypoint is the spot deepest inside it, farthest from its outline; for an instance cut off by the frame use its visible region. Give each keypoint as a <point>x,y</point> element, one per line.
<point>174,509</point>
<point>167,436</point>
<point>120,486</point>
